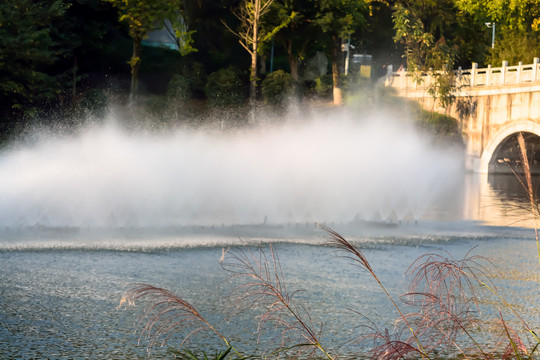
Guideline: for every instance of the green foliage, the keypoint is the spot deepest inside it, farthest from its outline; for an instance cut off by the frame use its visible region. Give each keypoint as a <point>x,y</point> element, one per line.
<point>337,20</point>
<point>184,36</point>
<point>179,88</point>
<point>195,74</point>
<point>441,125</point>
<point>224,88</point>
<point>189,355</point>
<point>298,32</point>
<point>442,88</point>
<point>423,54</point>
<point>522,15</point>
<point>410,31</point>
<point>178,95</point>
<point>27,48</point>
<point>142,16</point>
<point>276,87</point>
<point>323,85</point>
<point>156,105</point>
<point>340,18</point>
<point>94,103</point>
<point>515,46</point>
<point>517,25</point>
<point>270,33</point>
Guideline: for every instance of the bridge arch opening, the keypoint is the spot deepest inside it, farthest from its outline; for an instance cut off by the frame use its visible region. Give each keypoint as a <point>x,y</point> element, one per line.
<point>501,142</point>
<point>506,157</point>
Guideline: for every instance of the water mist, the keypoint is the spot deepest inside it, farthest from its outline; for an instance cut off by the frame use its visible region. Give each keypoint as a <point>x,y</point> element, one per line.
<point>329,168</point>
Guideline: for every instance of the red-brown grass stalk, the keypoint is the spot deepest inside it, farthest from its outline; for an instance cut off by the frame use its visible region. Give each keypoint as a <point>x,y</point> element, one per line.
<point>167,314</point>
<point>515,344</point>
<point>445,294</point>
<point>356,255</point>
<point>454,283</point>
<point>528,187</point>
<point>263,284</point>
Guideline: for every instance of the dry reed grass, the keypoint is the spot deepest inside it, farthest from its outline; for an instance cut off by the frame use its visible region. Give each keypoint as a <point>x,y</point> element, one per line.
<point>263,285</point>
<point>528,186</point>
<point>442,304</point>
<point>167,314</point>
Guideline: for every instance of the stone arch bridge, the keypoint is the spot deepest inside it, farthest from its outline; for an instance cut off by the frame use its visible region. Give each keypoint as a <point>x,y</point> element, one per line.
<point>492,105</point>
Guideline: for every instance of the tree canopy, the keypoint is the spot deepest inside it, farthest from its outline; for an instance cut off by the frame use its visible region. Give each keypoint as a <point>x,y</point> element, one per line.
<point>27,50</point>
<point>517,25</point>
<point>141,17</point>
<point>53,51</point>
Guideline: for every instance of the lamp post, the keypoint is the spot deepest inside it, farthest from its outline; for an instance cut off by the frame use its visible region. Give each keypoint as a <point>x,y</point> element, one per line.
<point>347,48</point>
<point>492,27</point>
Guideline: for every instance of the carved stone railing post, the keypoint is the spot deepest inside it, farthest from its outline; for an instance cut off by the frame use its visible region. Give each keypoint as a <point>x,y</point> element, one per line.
<point>473,77</point>
<point>473,74</point>
<point>535,69</point>
<point>503,72</point>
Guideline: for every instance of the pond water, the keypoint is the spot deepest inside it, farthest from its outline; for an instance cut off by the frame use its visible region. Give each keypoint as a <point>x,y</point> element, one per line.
<point>61,280</point>
<point>60,289</point>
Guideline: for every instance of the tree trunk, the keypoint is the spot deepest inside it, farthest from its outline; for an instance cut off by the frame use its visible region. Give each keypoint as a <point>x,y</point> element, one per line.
<point>135,64</point>
<point>253,78</point>
<point>293,62</point>
<point>336,47</point>
<point>74,85</point>
<point>253,74</point>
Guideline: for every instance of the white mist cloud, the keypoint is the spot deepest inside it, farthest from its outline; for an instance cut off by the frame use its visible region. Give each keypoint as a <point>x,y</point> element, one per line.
<point>330,169</point>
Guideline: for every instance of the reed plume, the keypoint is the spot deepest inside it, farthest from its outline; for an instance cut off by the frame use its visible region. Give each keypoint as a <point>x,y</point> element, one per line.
<point>357,256</point>
<point>444,290</point>
<point>443,294</point>
<point>167,314</point>
<point>515,344</point>
<point>262,284</point>
<point>528,186</point>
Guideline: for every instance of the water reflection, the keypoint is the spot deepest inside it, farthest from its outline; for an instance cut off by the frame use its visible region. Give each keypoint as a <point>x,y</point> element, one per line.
<point>497,199</point>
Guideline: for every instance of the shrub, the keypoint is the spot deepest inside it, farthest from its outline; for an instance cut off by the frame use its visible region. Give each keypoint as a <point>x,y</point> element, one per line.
<point>323,85</point>
<point>224,88</point>
<point>156,105</point>
<point>277,87</point>
<point>179,88</point>
<point>94,103</point>
<point>196,76</point>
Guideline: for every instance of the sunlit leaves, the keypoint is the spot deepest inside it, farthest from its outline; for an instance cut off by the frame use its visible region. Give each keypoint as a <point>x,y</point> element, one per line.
<point>514,14</point>
<point>341,17</point>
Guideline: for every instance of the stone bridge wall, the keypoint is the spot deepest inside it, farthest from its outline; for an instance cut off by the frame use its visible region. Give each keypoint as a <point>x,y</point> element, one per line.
<point>491,104</point>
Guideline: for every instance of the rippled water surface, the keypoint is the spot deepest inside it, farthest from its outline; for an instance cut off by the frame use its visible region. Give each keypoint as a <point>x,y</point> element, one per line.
<point>62,302</point>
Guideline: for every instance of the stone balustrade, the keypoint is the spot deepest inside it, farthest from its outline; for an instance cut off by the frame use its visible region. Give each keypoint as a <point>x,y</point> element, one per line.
<point>475,77</point>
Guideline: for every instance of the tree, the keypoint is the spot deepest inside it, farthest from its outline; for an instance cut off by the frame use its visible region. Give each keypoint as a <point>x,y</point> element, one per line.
<point>85,44</point>
<point>338,19</point>
<point>296,32</point>
<point>517,26</point>
<point>27,48</point>
<point>436,36</point>
<point>411,32</point>
<point>143,16</point>
<point>250,13</point>
<point>523,14</point>
<point>515,46</point>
